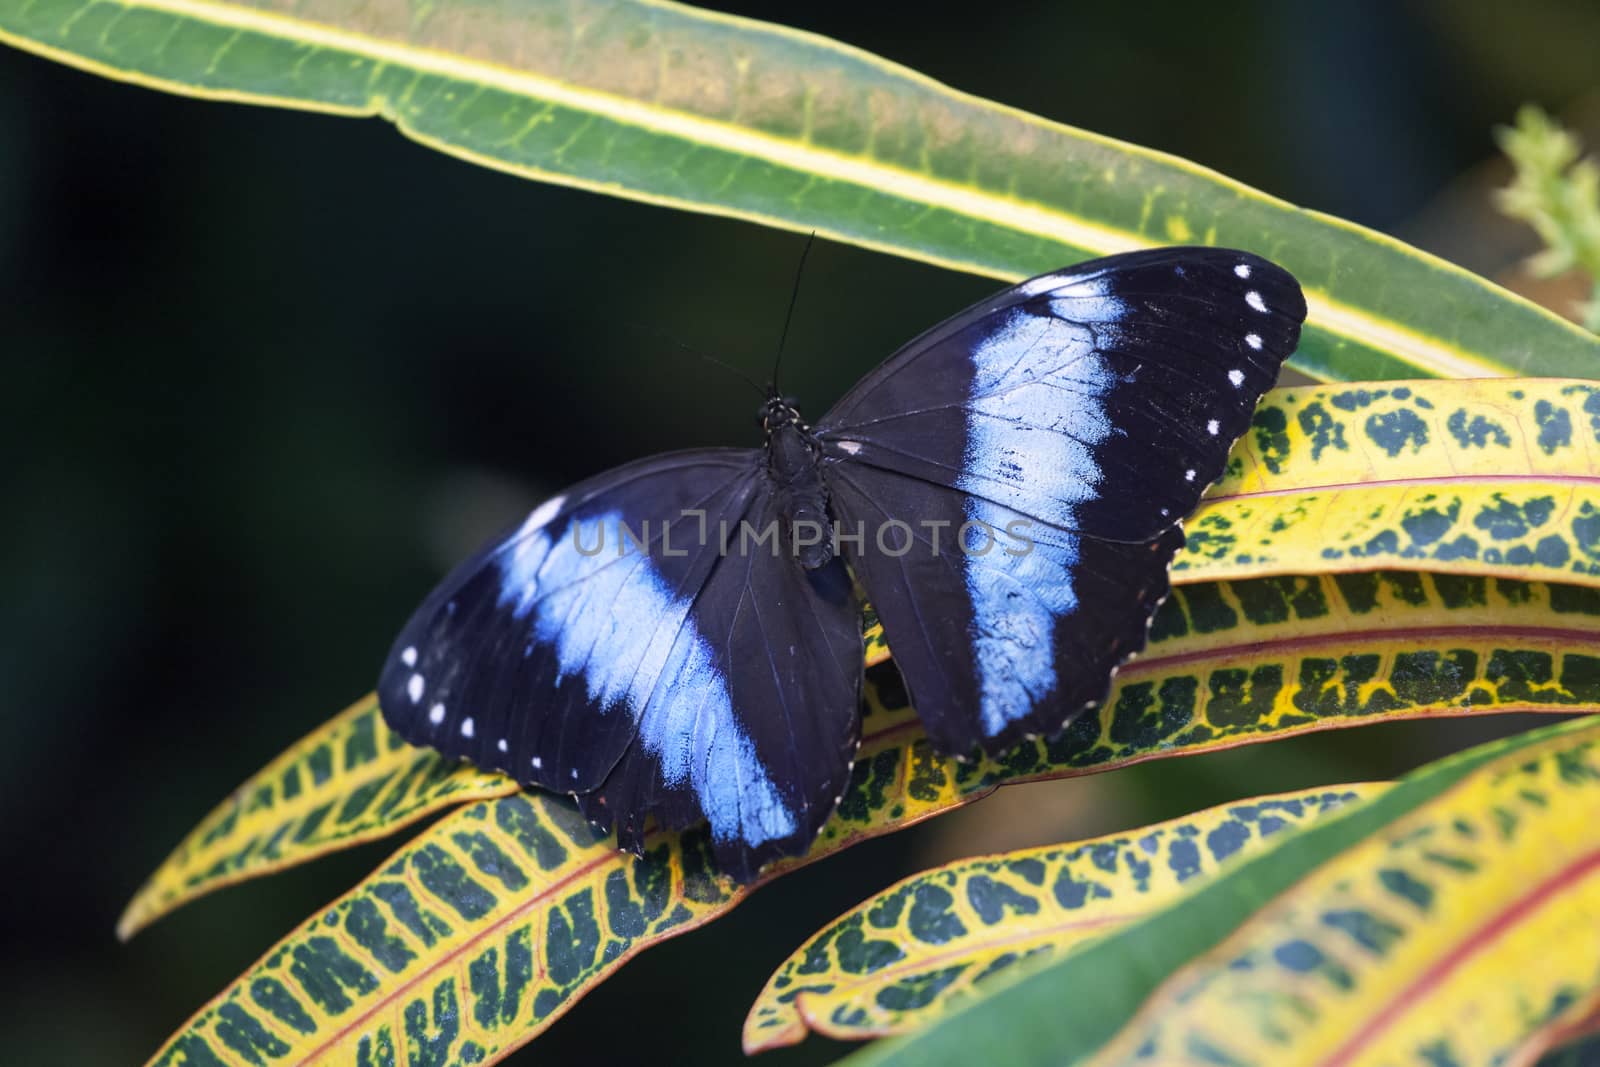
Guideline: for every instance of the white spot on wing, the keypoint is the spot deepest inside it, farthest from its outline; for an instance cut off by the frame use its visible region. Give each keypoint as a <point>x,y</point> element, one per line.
<point>436,714</point>
<point>1242,270</point>
<point>1253,298</point>
<point>1236,376</point>
<point>543,514</point>
<point>850,448</point>
<point>537,762</point>
<point>409,656</point>
<point>466,726</point>
<point>501,745</point>
<point>1253,340</point>
<point>1188,475</point>
<point>1213,427</point>
<point>415,687</point>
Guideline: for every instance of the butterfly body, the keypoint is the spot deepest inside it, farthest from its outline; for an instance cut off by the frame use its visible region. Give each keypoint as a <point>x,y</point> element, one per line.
<point>681,637</point>
<point>794,460</point>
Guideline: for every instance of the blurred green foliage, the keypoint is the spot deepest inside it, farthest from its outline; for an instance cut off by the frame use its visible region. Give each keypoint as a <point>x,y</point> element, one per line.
<point>1558,194</point>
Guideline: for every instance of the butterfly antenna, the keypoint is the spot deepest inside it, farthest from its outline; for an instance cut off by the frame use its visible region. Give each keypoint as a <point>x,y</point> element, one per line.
<point>730,368</point>
<point>662,335</point>
<point>794,297</point>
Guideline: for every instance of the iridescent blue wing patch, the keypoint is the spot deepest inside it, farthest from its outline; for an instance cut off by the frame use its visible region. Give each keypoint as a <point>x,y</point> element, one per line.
<point>1062,430</point>
<point>607,644</point>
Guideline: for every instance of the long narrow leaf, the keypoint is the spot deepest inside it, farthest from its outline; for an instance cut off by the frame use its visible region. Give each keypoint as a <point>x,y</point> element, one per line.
<point>1453,912</point>
<point>678,106</point>
<point>906,955</point>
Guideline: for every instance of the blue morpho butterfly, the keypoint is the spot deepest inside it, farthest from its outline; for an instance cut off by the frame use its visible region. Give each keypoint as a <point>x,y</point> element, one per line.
<point>681,637</point>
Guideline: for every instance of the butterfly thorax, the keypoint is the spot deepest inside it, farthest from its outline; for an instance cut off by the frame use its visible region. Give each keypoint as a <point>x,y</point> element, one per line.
<point>794,461</point>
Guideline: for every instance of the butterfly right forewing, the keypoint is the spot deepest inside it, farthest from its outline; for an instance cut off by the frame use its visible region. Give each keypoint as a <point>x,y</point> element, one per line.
<point>1078,416</point>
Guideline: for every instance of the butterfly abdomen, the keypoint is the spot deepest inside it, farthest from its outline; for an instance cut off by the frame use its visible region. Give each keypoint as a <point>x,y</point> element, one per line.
<point>795,461</point>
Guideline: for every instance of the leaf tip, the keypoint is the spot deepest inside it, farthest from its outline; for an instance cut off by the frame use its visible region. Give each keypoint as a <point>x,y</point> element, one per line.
<point>140,913</point>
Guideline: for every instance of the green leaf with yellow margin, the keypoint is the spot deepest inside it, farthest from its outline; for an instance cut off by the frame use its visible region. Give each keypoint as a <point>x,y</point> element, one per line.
<point>689,108</point>
<point>1448,920</point>
<point>907,954</point>
<point>1518,483</point>
<point>481,931</point>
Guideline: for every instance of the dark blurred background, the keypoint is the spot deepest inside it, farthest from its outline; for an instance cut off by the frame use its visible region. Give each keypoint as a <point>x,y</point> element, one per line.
<point>267,374</point>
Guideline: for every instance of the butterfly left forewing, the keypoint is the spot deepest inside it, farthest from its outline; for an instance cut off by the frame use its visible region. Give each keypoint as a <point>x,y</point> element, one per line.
<point>629,644</point>
<point>535,655</point>
<point>1080,414</point>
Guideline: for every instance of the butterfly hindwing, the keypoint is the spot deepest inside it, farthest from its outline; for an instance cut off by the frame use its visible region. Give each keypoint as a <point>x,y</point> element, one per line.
<point>1078,416</point>
<point>788,644</point>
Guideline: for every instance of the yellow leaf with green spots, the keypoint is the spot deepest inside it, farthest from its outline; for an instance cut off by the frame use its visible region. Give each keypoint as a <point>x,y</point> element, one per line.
<point>907,954</point>
<point>1230,663</point>
<point>709,112</point>
<point>1471,477</point>
<point>1419,431</point>
<point>350,781</point>
<point>462,946</point>
<point>1448,919</point>
<point>1300,497</point>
